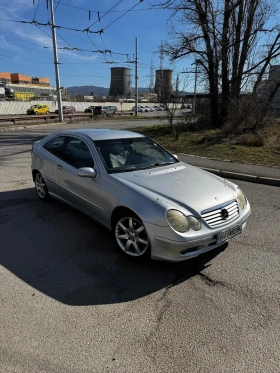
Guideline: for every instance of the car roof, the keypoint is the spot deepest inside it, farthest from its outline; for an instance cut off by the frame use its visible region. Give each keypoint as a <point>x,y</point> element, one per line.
<point>105,134</point>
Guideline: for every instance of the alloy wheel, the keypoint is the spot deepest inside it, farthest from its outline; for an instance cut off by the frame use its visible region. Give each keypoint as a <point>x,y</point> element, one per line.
<point>41,187</point>
<point>131,236</point>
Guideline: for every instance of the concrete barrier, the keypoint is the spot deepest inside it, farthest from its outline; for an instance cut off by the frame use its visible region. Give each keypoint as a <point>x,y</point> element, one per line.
<point>18,107</point>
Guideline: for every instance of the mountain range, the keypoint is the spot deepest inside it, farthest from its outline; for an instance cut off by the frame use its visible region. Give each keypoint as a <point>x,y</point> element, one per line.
<point>92,89</point>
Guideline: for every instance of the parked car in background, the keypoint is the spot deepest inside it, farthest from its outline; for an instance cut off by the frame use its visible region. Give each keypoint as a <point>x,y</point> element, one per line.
<point>158,108</point>
<point>109,109</point>
<point>67,110</point>
<point>155,205</point>
<point>97,110</point>
<point>38,109</point>
<point>140,109</point>
<point>90,109</point>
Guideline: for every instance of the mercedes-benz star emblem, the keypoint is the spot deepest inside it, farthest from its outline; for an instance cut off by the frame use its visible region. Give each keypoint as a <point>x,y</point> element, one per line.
<point>224,213</point>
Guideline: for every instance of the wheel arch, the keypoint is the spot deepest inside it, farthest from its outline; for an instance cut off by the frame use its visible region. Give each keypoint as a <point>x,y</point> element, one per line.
<point>120,209</point>
<point>34,173</point>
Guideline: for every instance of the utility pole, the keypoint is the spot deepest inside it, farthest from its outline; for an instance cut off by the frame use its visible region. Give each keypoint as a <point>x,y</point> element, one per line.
<point>56,63</point>
<point>136,76</point>
<point>161,90</point>
<point>152,79</point>
<point>194,92</point>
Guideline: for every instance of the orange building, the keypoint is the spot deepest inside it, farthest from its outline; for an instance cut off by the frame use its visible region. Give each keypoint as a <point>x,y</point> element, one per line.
<point>5,76</point>
<point>17,78</point>
<point>41,81</point>
<point>26,87</point>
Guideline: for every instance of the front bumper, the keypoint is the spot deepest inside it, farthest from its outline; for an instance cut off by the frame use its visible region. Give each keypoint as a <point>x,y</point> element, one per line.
<point>168,245</point>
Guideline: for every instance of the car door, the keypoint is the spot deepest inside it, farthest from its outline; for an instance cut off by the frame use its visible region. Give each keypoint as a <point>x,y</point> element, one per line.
<point>53,152</point>
<point>81,192</point>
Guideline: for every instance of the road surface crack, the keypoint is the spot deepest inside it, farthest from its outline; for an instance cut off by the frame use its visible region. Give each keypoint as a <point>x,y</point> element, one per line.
<point>210,281</point>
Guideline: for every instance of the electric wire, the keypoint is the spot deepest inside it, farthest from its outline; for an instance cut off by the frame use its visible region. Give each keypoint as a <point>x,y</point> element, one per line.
<point>94,11</point>
<point>99,18</point>
<point>36,10</point>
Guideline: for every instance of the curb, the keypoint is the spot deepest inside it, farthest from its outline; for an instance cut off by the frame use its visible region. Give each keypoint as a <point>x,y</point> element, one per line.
<point>244,177</point>
<point>23,126</point>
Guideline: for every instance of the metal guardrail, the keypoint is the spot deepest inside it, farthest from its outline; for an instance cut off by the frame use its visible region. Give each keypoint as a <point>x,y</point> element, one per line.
<point>56,116</point>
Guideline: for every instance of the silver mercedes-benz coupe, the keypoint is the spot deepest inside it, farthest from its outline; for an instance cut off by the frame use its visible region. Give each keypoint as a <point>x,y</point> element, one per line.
<point>154,204</point>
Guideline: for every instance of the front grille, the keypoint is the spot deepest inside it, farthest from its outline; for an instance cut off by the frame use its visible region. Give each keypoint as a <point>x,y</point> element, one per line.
<point>213,216</point>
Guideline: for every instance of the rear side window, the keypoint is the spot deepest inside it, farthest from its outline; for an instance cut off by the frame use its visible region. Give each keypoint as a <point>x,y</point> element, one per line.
<point>77,153</point>
<point>56,145</point>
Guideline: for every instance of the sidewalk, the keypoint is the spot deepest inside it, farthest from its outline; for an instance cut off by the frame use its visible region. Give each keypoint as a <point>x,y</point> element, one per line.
<point>240,171</point>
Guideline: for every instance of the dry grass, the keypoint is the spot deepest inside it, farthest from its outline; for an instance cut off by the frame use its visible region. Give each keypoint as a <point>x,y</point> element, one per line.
<point>263,148</point>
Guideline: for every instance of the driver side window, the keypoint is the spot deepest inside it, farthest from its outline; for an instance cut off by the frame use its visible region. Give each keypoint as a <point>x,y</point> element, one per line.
<point>77,153</point>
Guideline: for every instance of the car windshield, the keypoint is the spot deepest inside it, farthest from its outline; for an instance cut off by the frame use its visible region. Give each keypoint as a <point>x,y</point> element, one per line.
<point>130,154</point>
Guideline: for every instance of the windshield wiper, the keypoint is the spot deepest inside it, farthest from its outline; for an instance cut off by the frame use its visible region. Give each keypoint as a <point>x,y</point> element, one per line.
<point>164,163</point>
<point>154,165</point>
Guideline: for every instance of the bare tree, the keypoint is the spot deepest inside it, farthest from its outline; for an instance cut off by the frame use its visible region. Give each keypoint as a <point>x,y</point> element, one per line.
<point>231,41</point>
<point>173,102</point>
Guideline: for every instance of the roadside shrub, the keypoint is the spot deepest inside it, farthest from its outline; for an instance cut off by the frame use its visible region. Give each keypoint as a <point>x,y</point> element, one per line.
<point>192,123</point>
<point>248,115</point>
<point>251,139</point>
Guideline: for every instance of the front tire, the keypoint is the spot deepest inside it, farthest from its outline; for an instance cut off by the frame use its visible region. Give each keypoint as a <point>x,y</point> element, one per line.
<point>131,236</point>
<point>41,187</point>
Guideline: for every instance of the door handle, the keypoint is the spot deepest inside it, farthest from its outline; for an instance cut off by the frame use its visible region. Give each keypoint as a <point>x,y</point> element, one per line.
<point>59,167</point>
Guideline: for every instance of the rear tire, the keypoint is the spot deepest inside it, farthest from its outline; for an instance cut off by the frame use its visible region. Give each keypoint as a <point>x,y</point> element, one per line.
<point>41,187</point>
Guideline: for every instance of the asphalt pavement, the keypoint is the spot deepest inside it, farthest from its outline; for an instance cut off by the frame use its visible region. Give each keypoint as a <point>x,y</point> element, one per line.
<point>70,302</point>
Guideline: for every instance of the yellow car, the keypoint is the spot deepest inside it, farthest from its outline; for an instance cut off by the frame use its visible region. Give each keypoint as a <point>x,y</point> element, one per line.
<point>38,109</point>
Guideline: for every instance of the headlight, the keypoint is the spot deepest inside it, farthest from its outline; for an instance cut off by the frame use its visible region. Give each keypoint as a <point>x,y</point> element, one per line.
<point>181,223</point>
<point>241,199</point>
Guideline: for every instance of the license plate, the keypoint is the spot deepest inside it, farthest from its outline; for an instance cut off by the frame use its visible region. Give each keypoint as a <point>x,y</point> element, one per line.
<point>225,235</point>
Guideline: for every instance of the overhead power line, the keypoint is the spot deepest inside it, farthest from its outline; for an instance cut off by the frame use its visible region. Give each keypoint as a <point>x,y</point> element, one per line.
<point>105,51</point>
<point>99,18</point>
<point>140,1</point>
<point>87,30</point>
<point>95,11</point>
<point>19,59</point>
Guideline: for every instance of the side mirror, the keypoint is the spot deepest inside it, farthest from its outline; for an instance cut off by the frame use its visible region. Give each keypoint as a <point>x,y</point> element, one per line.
<point>87,172</point>
<point>175,156</point>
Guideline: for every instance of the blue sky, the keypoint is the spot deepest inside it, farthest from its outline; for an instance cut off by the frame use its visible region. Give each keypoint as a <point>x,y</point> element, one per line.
<point>22,46</point>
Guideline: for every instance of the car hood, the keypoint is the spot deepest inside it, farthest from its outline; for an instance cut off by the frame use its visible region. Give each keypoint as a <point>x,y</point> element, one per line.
<point>181,185</point>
